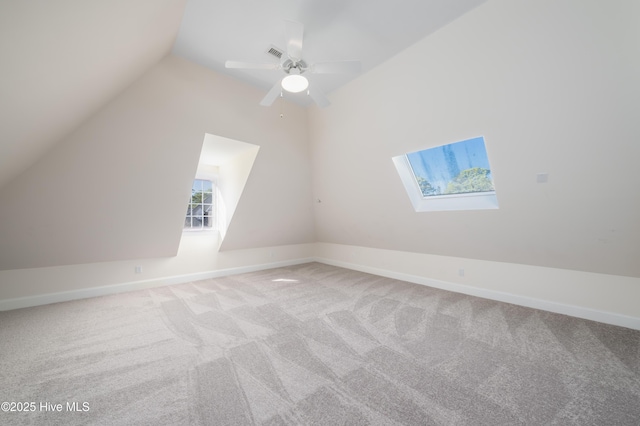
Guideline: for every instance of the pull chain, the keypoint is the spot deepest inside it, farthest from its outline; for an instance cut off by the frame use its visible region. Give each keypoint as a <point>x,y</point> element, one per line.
<point>281,105</point>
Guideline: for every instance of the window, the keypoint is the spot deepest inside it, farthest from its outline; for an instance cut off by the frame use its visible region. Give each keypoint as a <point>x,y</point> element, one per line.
<point>456,176</point>
<point>201,208</point>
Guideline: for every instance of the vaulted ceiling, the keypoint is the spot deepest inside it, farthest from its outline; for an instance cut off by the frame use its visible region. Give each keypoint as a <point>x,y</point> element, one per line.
<point>213,31</point>
<point>64,60</point>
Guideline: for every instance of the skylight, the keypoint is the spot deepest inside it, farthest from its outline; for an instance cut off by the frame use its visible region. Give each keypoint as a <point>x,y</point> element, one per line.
<point>455,176</point>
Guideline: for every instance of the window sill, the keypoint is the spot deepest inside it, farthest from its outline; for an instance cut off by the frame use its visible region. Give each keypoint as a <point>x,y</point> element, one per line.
<point>202,232</point>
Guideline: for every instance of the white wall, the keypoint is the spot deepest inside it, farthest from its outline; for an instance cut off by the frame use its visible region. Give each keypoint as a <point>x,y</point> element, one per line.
<point>198,258</point>
<point>599,297</point>
<point>117,188</point>
<point>233,177</point>
<point>79,218</point>
<point>610,299</point>
<point>552,86</point>
<point>276,203</point>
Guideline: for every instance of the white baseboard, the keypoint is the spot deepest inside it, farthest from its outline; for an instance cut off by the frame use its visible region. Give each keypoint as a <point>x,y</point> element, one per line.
<point>545,305</point>
<point>85,293</point>
<point>571,310</point>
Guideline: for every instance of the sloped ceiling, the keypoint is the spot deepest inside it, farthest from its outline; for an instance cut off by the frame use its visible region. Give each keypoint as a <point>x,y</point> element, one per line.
<point>370,31</point>
<point>62,60</point>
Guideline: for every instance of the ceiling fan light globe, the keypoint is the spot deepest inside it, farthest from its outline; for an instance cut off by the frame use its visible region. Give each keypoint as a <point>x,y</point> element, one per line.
<point>295,83</point>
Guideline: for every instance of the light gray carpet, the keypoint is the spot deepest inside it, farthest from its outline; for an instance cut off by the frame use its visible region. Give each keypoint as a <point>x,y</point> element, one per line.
<point>313,344</point>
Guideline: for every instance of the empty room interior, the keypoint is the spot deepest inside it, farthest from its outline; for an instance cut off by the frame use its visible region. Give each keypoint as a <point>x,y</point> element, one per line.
<point>441,226</point>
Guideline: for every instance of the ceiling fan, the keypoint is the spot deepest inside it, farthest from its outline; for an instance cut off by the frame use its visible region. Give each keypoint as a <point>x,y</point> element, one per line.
<point>294,66</point>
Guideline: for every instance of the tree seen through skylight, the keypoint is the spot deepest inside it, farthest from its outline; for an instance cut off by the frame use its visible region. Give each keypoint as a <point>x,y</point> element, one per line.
<point>457,168</point>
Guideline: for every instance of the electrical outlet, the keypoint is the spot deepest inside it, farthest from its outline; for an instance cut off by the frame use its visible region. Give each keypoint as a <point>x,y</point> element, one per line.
<point>138,269</point>
<point>461,272</point>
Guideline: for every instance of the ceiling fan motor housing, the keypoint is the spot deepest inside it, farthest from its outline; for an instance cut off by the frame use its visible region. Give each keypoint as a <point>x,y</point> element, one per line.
<point>290,65</point>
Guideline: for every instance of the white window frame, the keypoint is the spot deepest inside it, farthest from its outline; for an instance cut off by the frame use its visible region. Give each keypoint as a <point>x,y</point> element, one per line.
<point>214,202</point>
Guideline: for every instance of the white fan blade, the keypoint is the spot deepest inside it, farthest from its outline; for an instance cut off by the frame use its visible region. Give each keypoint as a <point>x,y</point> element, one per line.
<point>271,96</point>
<point>341,67</point>
<point>294,32</point>
<point>250,66</point>
<point>318,97</point>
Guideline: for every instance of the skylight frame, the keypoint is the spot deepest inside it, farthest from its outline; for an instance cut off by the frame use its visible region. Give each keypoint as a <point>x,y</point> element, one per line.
<point>485,200</point>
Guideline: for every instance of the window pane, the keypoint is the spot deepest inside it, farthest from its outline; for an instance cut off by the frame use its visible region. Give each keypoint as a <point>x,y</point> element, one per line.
<point>187,222</point>
<point>196,210</point>
<point>208,198</point>
<point>196,198</point>
<point>207,186</point>
<point>196,222</point>
<point>457,168</point>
